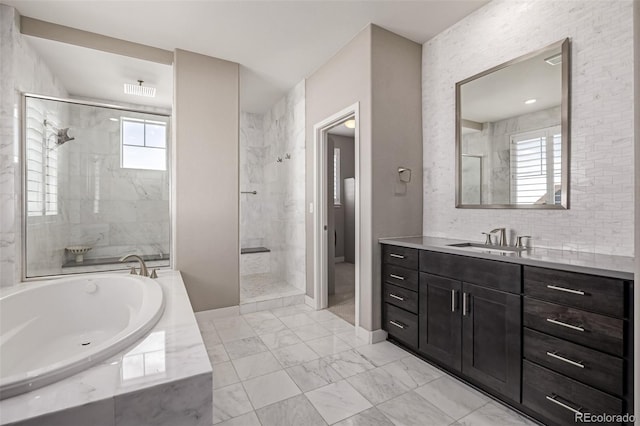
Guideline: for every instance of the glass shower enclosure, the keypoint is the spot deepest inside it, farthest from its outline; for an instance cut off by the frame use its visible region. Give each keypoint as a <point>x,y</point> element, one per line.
<point>96,182</point>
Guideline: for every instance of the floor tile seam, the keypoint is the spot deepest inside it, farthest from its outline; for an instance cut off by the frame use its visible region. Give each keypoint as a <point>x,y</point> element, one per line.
<point>438,408</point>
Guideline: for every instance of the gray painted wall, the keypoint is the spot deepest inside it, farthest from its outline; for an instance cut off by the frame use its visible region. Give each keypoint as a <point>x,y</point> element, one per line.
<point>397,141</point>
<point>382,72</point>
<point>341,82</point>
<point>206,122</point>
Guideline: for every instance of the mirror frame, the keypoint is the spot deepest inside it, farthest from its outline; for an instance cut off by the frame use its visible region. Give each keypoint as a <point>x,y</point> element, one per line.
<point>565,46</point>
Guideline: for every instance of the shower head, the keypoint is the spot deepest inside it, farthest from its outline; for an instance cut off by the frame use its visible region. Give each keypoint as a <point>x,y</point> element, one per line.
<point>63,136</point>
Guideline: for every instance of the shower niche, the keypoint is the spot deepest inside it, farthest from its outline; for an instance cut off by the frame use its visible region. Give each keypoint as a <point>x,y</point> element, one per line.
<point>95,186</point>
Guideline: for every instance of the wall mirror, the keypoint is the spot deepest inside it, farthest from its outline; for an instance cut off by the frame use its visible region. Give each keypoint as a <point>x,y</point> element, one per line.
<point>512,133</point>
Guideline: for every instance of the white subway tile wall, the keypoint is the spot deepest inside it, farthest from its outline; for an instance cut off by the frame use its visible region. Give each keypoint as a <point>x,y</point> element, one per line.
<point>600,218</point>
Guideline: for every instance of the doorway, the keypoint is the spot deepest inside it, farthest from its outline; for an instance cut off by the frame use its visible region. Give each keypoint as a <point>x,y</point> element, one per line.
<point>336,218</point>
<point>341,271</point>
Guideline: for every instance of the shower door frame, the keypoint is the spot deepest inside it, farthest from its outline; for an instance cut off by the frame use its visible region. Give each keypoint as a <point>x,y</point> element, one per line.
<point>23,174</point>
<point>321,204</point>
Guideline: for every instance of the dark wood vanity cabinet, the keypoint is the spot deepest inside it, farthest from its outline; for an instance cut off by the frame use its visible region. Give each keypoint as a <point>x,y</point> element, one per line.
<point>472,328</point>
<point>548,342</point>
<point>577,345</point>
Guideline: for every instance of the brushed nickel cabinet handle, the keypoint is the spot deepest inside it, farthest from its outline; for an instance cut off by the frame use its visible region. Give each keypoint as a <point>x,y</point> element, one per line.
<point>397,256</point>
<point>564,324</point>
<point>553,398</point>
<point>397,324</point>
<point>453,300</point>
<point>397,277</point>
<point>566,290</point>
<point>567,360</point>
<point>396,297</point>
<point>465,304</point>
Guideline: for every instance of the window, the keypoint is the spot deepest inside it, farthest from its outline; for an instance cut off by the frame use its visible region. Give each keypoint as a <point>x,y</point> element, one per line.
<point>42,162</point>
<point>536,166</point>
<point>336,176</point>
<point>144,144</point>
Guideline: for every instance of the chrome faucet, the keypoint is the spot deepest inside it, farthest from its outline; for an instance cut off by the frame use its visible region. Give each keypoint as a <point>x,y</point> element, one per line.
<point>143,267</point>
<point>502,236</point>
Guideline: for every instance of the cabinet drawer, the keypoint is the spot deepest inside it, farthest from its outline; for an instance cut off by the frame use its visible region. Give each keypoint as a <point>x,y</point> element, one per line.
<point>401,297</point>
<point>400,256</point>
<point>590,292</point>
<point>589,329</point>
<point>597,369</point>
<point>557,397</point>
<point>488,273</point>
<point>402,277</point>
<point>401,325</point>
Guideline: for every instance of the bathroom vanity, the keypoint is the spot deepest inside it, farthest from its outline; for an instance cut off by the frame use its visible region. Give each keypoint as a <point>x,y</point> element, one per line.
<point>548,332</point>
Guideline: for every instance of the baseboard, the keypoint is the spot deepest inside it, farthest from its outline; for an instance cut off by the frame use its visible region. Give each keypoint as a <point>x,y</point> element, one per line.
<point>338,259</point>
<point>374,336</point>
<point>309,301</point>
<point>230,311</point>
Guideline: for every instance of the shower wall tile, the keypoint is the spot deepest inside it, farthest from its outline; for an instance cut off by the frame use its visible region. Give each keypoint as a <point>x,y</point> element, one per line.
<point>21,70</point>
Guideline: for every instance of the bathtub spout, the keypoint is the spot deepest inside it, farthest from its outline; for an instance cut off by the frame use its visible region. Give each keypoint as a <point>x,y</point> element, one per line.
<point>143,267</point>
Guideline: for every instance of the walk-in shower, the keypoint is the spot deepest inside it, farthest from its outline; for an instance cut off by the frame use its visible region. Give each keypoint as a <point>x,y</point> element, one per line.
<point>96,186</point>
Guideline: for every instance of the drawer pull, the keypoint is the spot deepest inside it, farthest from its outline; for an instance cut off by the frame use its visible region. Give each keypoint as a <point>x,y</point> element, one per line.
<point>453,300</point>
<point>554,398</point>
<point>566,290</point>
<point>396,297</point>
<point>567,360</point>
<point>397,277</point>
<point>397,324</point>
<point>564,324</point>
<point>397,256</point>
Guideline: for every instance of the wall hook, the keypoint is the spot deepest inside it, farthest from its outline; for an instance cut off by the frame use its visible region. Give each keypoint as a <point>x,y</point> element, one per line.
<point>287,156</point>
<point>279,160</point>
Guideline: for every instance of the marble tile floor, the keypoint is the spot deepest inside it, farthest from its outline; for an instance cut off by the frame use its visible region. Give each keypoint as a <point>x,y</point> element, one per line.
<point>262,287</point>
<point>296,366</point>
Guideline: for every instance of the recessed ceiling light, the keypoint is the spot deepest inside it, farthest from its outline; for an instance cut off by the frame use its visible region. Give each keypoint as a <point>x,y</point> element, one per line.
<point>139,90</point>
<point>350,124</point>
<point>114,119</point>
<point>530,101</point>
<point>554,60</point>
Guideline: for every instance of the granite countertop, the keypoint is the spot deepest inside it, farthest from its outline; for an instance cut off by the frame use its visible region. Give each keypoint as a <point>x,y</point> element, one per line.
<point>171,352</point>
<point>574,261</point>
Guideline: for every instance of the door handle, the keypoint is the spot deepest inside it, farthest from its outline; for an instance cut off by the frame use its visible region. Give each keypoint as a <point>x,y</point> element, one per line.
<point>564,324</point>
<point>566,290</point>
<point>397,324</point>
<point>397,277</point>
<point>555,355</point>
<point>465,304</point>
<point>397,256</point>
<point>396,297</point>
<point>453,300</point>
<point>554,398</point>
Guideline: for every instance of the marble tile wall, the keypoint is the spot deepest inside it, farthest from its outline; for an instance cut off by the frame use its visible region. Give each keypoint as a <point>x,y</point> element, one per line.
<point>21,70</point>
<point>600,219</point>
<point>274,218</point>
<point>252,160</point>
<point>284,127</point>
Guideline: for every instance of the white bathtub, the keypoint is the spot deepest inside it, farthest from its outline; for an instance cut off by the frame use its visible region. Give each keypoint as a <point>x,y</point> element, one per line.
<point>57,328</point>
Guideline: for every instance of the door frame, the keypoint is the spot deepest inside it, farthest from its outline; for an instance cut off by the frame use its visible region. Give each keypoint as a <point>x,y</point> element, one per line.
<point>321,204</point>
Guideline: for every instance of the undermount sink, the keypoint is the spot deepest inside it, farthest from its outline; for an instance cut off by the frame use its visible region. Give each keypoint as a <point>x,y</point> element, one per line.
<point>488,248</point>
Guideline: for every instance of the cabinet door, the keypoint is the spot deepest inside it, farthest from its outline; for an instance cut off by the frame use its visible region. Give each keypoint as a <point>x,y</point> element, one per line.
<point>491,339</point>
<point>439,319</point>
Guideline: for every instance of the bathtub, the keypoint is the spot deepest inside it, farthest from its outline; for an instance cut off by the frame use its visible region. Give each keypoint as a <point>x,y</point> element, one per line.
<point>57,328</point>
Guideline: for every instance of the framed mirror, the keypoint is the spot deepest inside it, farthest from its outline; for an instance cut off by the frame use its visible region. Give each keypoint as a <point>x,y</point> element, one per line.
<point>512,133</point>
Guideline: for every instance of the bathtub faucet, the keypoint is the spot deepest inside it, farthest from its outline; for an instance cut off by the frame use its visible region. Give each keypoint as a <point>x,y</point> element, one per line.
<point>143,267</point>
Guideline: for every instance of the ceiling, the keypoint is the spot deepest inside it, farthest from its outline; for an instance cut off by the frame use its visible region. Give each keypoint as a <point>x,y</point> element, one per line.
<point>277,43</point>
<point>342,130</point>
